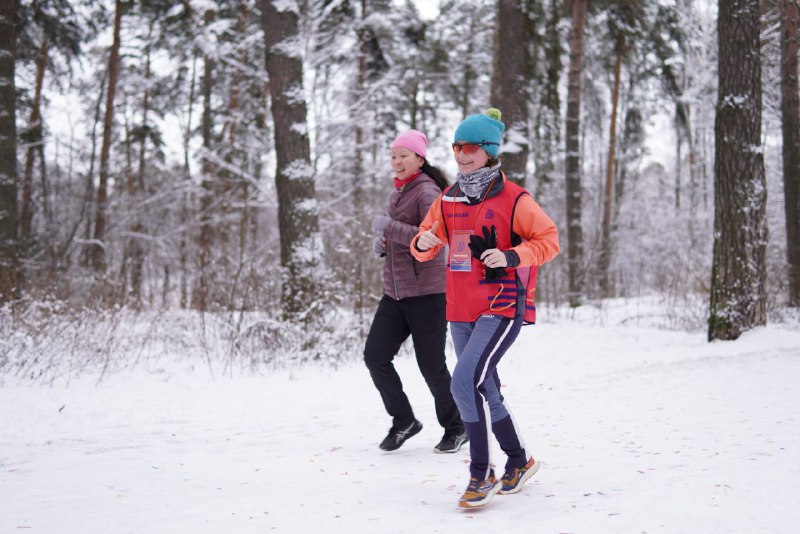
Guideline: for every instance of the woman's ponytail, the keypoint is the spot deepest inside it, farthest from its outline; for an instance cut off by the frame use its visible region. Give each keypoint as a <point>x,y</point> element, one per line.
<point>435,173</point>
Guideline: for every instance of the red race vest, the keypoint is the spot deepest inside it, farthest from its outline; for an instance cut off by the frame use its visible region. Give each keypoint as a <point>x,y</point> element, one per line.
<point>469,294</point>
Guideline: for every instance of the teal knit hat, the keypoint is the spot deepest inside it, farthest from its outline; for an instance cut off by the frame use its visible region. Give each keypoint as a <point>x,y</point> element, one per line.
<point>484,128</point>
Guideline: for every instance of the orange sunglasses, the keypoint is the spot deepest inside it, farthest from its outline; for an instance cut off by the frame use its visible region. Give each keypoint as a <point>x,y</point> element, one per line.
<point>470,148</point>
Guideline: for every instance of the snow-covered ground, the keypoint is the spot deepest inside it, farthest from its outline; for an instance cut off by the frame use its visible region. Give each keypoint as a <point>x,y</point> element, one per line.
<point>638,430</point>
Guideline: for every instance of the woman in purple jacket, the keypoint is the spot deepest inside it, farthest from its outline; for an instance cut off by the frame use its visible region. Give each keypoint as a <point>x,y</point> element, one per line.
<point>413,302</point>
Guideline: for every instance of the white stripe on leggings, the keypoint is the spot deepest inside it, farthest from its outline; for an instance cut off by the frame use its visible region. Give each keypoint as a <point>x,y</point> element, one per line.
<point>516,431</point>
<point>487,416</point>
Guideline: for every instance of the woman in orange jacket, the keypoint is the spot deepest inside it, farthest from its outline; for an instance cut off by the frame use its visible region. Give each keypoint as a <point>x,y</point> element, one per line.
<point>497,236</point>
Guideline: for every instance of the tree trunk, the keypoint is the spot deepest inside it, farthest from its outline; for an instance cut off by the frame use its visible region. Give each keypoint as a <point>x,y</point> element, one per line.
<point>629,155</point>
<point>468,74</point>
<point>208,170</point>
<point>9,243</point>
<point>738,277</point>
<point>135,252</point>
<point>573,163</point>
<point>187,177</point>
<point>357,232</point>
<point>509,90</point>
<point>608,194</point>
<point>548,125</point>
<point>236,189</point>
<point>86,252</point>
<point>294,179</point>
<point>790,113</point>
<point>33,139</point>
<point>678,177</point>
<point>99,250</point>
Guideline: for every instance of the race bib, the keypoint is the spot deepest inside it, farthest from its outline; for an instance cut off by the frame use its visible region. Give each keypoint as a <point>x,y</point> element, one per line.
<point>460,254</point>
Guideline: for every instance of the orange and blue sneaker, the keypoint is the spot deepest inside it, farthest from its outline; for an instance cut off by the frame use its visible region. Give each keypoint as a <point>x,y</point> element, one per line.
<point>514,478</point>
<point>479,492</point>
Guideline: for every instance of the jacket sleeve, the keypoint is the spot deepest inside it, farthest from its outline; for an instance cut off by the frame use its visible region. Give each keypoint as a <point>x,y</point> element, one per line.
<point>538,232</point>
<point>434,214</point>
<point>403,233</point>
<point>400,232</point>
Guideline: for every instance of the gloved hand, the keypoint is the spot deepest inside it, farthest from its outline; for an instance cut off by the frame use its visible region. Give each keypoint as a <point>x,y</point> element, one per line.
<point>479,244</point>
<point>485,249</point>
<point>379,246</point>
<point>379,224</point>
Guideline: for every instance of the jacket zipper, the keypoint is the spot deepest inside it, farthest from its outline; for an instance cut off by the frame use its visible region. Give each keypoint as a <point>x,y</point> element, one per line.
<point>394,278</point>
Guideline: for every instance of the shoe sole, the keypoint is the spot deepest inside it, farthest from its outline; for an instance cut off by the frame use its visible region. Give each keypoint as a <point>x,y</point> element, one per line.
<point>482,502</point>
<point>527,476</point>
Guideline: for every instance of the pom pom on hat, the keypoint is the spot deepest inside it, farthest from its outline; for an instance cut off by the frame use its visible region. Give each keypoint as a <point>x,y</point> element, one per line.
<point>483,128</point>
<point>414,140</point>
<point>494,113</point>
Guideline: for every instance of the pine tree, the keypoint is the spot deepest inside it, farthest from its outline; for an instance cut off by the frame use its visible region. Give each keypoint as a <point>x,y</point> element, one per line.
<point>625,23</point>
<point>294,179</point>
<point>101,216</point>
<point>790,111</point>
<point>573,164</point>
<point>9,245</point>
<point>738,276</point>
<point>464,34</point>
<point>510,85</point>
<point>47,28</point>
<point>547,133</point>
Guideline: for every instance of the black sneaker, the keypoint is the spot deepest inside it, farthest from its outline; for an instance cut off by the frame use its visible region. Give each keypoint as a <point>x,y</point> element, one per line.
<point>397,436</point>
<point>451,442</point>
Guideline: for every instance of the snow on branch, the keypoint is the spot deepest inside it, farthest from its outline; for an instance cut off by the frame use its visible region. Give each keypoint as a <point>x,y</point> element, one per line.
<point>515,141</point>
<point>735,101</point>
<point>283,6</point>
<point>299,169</point>
<point>290,47</point>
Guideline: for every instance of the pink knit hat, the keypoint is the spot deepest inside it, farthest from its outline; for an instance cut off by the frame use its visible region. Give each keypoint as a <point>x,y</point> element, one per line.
<point>414,140</point>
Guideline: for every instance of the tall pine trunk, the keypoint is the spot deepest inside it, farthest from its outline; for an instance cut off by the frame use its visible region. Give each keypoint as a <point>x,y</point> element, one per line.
<point>573,163</point>
<point>34,139</point>
<point>183,247</point>
<point>294,179</point>
<point>738,277</point>
<point>790,112</point>
<point>608,193</point>
<point>203,284</point>
<point>548,121</point>
<point>99,248</point>
<point>509,85</point>
<point>468,75</point>
<point>9,243</point>
<point>357,232</point>
<point>134,251</point>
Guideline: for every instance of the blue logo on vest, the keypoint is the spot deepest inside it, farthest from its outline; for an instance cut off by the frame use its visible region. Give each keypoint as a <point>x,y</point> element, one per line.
<point>489,214</point>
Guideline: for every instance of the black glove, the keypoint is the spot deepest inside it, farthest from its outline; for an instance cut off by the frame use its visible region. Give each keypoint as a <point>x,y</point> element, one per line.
<point>479,245</point>
<point>495,273</point>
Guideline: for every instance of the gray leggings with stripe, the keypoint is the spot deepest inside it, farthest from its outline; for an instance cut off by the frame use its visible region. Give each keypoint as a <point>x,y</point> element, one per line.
<point>476,389</point>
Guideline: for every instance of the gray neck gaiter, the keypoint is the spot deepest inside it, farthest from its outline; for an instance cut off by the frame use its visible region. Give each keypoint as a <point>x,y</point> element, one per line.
<point>475,183</point>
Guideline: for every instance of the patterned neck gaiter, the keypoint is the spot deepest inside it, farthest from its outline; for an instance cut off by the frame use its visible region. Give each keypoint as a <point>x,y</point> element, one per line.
<point>475,183</point>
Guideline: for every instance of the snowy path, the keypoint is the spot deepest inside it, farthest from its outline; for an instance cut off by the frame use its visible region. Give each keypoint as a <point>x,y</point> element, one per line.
<point>638,430</point>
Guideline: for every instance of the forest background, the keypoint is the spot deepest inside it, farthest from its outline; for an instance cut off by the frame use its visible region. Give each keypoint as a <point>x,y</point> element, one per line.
<point>200,176</point>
